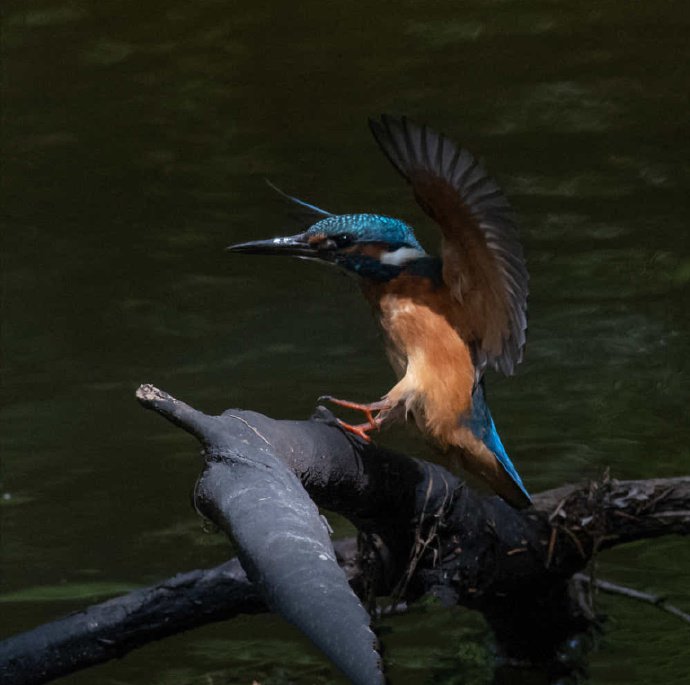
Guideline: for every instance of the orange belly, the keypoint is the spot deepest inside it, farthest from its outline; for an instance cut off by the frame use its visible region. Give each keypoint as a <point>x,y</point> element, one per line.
<point>433,362</point>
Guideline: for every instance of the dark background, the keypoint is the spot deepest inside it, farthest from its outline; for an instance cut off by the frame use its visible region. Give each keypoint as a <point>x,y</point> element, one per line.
<point>135,139</point>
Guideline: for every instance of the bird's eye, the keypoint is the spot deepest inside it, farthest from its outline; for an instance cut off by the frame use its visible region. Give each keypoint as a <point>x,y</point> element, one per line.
<point>342,240</point>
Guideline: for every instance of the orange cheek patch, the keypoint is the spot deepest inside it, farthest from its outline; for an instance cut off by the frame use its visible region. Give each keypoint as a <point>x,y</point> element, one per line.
<point>368,250</point>
<point>316,238</point>
<point>371,251</point>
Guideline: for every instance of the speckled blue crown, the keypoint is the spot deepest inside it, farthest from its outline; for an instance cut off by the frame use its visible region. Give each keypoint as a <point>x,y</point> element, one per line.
<point>368,228</point>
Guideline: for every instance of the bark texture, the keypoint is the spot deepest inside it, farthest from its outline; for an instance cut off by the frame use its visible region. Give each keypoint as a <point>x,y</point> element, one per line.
<point>422,531</point>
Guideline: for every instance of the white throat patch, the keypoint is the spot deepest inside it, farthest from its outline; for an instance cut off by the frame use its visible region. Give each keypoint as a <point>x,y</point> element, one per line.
<point>401,256</point>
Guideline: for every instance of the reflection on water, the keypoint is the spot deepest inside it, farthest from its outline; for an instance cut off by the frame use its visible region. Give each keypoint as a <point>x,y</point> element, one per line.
<point>135,142</point>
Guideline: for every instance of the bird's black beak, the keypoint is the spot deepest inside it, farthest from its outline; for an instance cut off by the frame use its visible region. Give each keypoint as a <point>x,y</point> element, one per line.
<point>293,245</point>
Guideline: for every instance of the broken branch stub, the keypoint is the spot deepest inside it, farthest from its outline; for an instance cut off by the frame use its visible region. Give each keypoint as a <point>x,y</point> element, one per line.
<point>282,541</point>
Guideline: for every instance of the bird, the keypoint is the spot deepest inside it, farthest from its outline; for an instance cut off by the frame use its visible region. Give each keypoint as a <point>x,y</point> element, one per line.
<point>445,320</point>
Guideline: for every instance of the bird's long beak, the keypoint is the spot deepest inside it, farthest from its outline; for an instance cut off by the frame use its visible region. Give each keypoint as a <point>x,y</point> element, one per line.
<point>294,245</point>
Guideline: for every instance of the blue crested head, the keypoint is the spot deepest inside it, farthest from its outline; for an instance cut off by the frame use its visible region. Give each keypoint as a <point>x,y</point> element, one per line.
<point>367,228</point>
<point>369,245</point>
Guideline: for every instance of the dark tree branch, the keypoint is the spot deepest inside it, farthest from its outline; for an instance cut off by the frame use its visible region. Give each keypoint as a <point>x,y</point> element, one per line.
<point>282,541</point>
<point>424,532</point>
<point>629,592</point>
<point>111,629</point>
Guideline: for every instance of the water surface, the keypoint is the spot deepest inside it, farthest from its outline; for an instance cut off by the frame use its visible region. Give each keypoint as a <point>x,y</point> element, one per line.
<point>135,142</point>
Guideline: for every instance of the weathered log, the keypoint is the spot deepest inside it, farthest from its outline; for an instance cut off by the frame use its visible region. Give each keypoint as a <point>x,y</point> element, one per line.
<point>424,532</point>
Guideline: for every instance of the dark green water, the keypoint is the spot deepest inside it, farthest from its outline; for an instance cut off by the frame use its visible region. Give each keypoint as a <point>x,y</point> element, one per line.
<point>135,138</point>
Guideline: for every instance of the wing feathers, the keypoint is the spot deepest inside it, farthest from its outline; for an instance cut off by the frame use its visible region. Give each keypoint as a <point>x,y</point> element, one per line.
<point>483,263</point>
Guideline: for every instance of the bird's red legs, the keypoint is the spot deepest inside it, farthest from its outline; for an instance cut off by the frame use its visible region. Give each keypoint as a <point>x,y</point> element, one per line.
<point>373,422</point>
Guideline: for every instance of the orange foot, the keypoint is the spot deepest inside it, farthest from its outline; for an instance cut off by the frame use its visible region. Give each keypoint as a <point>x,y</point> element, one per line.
<point>361,430</point>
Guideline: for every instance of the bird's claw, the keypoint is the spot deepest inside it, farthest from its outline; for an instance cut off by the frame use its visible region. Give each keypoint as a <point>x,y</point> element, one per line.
<point>360,431</point>
<point>373,422</point>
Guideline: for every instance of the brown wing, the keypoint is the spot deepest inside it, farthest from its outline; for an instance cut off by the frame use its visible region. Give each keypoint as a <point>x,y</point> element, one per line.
<point>483,262</point>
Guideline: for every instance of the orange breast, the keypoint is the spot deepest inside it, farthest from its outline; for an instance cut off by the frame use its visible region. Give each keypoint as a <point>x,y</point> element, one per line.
<point>433,362</point>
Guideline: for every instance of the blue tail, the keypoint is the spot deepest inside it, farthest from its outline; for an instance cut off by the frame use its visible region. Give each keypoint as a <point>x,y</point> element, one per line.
<point>482,426</point>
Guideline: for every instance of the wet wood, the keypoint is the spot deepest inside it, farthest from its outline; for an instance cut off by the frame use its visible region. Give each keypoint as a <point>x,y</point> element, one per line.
<point>423,531</point>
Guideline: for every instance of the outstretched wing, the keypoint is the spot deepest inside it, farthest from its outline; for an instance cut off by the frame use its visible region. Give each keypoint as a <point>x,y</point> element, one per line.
<point>483,262</point>
<point>301,211</point>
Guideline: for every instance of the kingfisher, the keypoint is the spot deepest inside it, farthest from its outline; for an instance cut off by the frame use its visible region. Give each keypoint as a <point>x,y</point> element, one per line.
<point>445,320</point>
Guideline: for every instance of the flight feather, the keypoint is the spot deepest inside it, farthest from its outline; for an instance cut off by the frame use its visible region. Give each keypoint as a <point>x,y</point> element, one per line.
<point>483,262</point>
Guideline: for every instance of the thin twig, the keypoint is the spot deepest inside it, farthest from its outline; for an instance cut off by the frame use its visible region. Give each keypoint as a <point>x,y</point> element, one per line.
<point>552,546</point>
<point>661,496</point>
<point>671,514</point>
<point>615,589</point>
<point>575,540</point>
<point>558,508</point>
<point>584,599</point>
